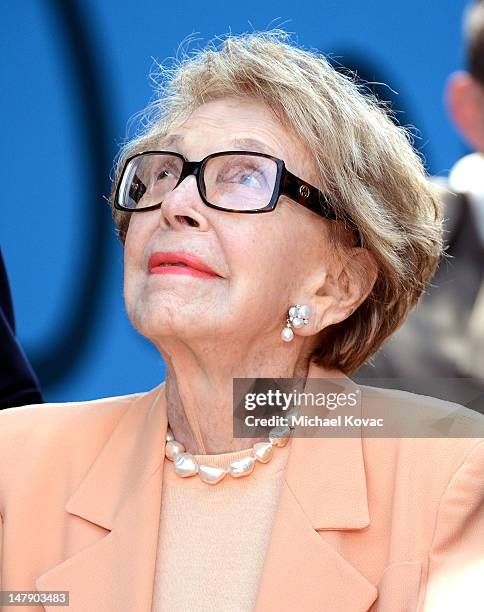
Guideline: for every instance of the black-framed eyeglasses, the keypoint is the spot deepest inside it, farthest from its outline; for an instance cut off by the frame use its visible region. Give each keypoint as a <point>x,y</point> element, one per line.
<point>232,181</point>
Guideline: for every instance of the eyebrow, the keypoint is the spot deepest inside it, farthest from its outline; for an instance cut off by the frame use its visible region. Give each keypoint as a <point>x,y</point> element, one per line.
<point>171,139</point>
<point>242,144</point>
<point>251,144</point>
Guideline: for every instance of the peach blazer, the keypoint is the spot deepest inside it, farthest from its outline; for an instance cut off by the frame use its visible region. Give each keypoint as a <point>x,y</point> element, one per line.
<point>380,524</point>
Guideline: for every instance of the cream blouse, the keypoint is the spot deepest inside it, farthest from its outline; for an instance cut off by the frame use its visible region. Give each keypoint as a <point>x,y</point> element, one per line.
<point>213,538</point>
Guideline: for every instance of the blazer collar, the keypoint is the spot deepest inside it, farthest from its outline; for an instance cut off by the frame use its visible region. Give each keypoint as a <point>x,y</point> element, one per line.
<point>324,488</point>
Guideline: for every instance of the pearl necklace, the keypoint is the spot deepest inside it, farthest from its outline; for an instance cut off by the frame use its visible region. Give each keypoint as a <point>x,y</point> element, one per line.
<point>186,464</point>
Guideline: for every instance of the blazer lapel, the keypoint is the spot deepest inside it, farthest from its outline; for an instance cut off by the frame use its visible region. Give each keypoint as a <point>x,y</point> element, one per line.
<point>324,487</point>
<point>121,493</point>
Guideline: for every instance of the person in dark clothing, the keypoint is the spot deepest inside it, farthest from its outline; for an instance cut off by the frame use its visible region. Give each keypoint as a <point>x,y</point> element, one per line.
<point>440,347</point>
<point>18,382</point>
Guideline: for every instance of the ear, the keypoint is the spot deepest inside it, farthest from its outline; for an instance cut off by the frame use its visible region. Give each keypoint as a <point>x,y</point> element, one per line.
<point>345,287</point>
<point>465,103</point>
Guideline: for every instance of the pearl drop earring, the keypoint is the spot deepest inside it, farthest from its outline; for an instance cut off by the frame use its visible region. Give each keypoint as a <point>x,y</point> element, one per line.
<point>298,316</point>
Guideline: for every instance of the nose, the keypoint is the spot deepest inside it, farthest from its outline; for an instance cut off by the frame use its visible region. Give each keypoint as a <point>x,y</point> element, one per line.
<point>184,208</point>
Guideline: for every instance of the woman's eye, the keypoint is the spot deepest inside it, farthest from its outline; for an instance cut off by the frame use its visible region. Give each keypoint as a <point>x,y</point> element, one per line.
<point>249,179</point>
<point>164,174</point>
<point>246,177</point>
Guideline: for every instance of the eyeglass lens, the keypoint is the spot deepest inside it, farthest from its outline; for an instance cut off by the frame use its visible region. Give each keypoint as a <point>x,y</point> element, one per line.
<point>233,182</point>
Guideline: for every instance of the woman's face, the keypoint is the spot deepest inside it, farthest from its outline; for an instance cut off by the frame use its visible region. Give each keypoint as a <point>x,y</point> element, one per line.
<point>264,263</point>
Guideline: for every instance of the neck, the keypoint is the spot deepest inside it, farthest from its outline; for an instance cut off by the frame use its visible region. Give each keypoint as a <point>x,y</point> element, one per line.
<point>199,389</point>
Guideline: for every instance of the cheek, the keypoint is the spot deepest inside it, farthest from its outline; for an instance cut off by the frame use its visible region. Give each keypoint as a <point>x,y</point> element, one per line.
<point>247,245</point>
<point>130,258</point>
<point>134,249</point>
<point>279,252</point>
<point>260,252</point>
<point>139,230</point>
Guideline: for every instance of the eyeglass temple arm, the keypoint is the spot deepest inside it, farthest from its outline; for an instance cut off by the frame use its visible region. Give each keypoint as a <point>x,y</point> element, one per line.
<point>312,198</point>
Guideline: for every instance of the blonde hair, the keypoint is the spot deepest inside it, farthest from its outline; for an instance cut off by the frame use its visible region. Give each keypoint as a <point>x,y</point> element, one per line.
<point>365,162</point>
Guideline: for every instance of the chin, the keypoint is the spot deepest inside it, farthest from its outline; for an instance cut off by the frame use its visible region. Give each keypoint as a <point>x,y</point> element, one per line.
<point>159,325</point>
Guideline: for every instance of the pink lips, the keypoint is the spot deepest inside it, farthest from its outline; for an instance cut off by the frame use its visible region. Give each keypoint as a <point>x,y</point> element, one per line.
<point>177,262</point>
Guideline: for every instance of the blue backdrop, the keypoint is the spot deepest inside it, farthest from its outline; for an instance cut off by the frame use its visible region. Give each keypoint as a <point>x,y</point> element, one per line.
<point>74,72</point>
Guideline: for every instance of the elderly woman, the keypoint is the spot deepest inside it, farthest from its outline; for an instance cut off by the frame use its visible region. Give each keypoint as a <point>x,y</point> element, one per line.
<point>276,224</point>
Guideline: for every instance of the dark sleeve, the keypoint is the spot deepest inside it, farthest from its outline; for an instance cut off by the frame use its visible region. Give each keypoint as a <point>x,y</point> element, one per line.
<point>18,384</point>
